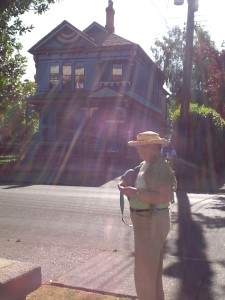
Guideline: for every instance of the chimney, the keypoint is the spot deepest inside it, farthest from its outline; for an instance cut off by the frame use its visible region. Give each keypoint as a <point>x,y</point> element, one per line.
<point>110,17</point>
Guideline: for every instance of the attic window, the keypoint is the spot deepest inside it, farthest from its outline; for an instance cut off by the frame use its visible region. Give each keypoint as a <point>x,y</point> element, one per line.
<point>117,72</point>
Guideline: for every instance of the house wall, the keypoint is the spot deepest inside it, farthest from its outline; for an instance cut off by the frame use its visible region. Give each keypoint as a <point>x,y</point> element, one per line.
<point>97,68</point>
<point>142,77</point>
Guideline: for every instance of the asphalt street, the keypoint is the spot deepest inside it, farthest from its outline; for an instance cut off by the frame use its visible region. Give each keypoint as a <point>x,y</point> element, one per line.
<point>76,235</point>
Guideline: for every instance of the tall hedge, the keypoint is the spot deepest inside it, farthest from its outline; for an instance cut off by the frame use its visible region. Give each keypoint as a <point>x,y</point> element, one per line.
<point>206,140</point>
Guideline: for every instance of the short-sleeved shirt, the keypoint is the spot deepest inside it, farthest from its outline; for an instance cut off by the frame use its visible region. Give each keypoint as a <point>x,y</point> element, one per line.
<point>151,177</point>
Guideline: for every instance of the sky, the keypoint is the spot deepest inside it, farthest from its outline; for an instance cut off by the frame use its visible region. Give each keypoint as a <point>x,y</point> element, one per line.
<point>140,21</point>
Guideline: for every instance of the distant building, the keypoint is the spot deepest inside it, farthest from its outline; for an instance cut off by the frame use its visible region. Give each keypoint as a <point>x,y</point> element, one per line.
<point>95,89</point>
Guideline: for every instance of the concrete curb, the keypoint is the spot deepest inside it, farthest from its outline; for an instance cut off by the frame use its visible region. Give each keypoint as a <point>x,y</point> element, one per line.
<point>18,279</point>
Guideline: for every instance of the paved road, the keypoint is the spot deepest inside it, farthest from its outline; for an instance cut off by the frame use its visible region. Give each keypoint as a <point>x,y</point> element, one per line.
<point>59,227</point>
<point>72,232</point>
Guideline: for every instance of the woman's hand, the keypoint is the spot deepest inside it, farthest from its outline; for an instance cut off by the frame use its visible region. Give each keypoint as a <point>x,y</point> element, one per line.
<point>160,196</point>
<point>128,191</point>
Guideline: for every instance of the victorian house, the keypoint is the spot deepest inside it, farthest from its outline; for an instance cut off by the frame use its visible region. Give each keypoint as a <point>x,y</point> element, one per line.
<point>95,90</point>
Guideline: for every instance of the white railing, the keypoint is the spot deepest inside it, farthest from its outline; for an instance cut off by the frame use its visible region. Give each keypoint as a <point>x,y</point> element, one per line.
<point>114,83</point>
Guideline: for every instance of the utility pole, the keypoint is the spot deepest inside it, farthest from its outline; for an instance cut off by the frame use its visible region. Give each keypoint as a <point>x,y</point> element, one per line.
<point>187,74</point>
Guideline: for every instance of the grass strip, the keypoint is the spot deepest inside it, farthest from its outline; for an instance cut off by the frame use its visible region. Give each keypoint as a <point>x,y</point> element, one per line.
<point>49,292</point>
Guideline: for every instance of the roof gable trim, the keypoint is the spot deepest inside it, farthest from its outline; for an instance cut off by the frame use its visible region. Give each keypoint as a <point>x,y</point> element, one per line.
<point>65,38</point>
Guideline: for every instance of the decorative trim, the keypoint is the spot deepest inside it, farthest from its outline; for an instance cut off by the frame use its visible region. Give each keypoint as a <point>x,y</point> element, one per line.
<point>114,83</point>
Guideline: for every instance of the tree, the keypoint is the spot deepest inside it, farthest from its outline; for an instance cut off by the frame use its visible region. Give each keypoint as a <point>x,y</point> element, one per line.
<point>169,56</point>
<point>13,90</point>
<point>208,84</point>
<point>21,6</point>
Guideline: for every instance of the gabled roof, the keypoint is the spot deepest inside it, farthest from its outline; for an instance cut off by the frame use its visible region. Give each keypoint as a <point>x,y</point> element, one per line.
<point>105,93</point>
<point>103,38</point>
<point>64,34</point>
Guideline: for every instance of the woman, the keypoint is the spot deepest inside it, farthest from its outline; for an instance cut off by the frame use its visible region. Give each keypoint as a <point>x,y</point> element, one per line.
<point>149,188</point>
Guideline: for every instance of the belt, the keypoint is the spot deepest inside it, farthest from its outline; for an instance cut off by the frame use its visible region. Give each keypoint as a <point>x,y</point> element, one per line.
<point>148,209</point>
<point>138,210</point>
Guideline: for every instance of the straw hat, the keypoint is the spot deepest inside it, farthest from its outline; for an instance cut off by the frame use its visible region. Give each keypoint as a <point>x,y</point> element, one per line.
<point>148,138</point>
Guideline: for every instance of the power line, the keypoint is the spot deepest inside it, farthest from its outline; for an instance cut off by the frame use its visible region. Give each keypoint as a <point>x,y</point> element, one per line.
<point>159,11</point>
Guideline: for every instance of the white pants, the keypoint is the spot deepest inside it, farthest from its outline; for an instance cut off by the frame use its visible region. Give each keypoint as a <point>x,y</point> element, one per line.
<point>150,232</point>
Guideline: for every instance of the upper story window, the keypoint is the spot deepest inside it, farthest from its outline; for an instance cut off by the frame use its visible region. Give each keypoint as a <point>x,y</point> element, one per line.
<point>54,76</point>
<point>117,72</point>
<point>79,76</point>
<point>66,76</point>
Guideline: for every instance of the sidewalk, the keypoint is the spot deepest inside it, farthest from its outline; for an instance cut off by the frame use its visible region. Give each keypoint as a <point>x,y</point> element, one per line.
<point>114,276</point>
<point>194,272</point>
<point>193,269</point>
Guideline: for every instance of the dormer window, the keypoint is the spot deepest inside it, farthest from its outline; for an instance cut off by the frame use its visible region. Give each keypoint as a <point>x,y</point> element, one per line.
<point>79,76</point>
<point>54,76</point>
<point>117,72</point>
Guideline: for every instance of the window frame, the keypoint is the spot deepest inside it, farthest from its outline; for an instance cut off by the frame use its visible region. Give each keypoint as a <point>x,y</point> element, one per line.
<point>56,77</point>
<point>67,84</point>
<point>117,77</point>
<point>80,83</point>
<point>53,78</point>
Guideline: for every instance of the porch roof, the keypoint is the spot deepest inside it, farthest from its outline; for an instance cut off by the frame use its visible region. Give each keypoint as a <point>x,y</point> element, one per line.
<point>106,93</point>
<point>40,98</point>
<point>102,95</point>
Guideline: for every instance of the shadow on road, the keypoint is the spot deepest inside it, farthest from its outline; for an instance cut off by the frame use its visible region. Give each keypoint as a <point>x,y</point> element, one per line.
<point>85,175</point>
<point>192,269</point>
<point>217,220</point>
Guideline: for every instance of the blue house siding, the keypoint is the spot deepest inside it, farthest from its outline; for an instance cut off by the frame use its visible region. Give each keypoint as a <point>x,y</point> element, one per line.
<point>42,76</point>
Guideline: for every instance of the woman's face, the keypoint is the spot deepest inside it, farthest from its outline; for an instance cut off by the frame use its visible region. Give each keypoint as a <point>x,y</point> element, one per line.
<point>148,152</point>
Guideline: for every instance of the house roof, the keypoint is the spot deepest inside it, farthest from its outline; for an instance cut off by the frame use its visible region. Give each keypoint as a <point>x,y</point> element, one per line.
<point>103,94</point>
<point>41,98</point>
<point>65,35</point>
<point>103,38</point>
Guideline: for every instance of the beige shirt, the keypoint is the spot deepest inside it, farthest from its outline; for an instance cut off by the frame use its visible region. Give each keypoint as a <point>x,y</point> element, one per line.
<point>140,184</point>
<point>158,174</point>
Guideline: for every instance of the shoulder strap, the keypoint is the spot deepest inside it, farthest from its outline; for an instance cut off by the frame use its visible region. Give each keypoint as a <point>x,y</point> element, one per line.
<point>122,209</point>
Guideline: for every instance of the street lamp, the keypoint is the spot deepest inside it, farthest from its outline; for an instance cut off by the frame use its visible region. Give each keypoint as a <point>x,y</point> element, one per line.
<point>178,2</point>
<point>187,74</point>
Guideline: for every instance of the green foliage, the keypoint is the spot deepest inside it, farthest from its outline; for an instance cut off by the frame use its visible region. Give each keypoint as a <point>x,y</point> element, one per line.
<point>15,7</point>
<point>169,56</point>
<point>206,140</point>
<point>12,63</point>
<point>205,112</point>
<point>15,118</point>
<point>16,124</point>
<point>208,73</point>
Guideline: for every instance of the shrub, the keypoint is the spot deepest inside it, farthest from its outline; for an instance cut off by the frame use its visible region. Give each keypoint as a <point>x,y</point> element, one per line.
<point>206,140</point>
